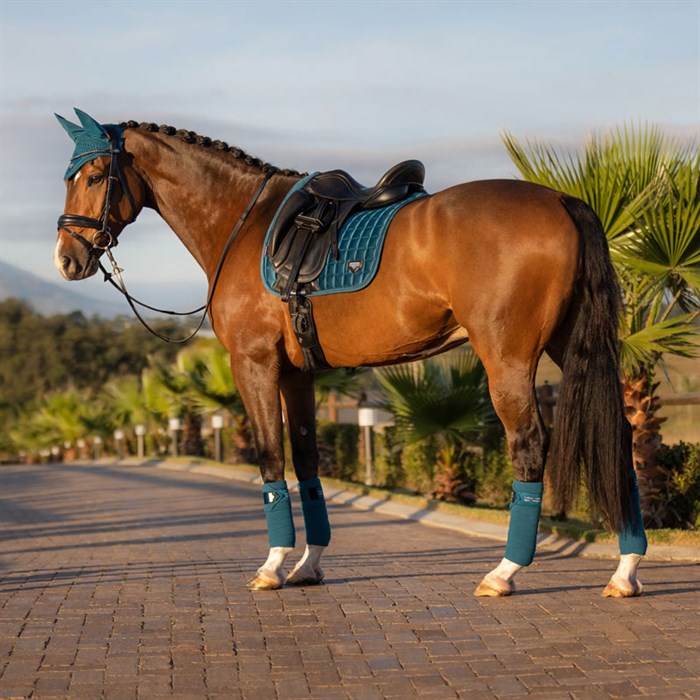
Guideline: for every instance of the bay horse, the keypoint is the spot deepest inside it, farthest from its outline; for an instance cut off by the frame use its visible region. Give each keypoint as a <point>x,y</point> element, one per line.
<point>514,268</point>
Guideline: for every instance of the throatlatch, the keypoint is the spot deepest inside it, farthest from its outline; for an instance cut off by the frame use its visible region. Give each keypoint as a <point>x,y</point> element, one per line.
<point>525,508</point>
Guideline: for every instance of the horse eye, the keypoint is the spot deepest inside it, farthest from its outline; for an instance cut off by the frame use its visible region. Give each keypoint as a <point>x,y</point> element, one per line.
<point>94,179</point>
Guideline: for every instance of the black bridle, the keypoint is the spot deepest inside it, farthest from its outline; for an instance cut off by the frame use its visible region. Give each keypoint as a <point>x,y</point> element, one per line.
<point>104,241</point>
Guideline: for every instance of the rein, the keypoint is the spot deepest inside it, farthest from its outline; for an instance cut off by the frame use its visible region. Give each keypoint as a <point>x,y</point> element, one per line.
<point>103,240</point>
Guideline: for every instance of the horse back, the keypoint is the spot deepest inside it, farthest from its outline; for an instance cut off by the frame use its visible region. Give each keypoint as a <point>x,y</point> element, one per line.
<point>481,254</point>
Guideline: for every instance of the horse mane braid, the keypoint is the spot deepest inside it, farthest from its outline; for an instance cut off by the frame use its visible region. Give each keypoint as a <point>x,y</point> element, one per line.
<point>206,142</point>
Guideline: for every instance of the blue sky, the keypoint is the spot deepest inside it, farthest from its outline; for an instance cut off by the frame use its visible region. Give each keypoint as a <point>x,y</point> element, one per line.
<point>315,85</point>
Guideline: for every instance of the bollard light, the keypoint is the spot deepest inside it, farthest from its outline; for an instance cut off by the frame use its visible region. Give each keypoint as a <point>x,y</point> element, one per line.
<point>173,427</point>
<point>118,438</point>
<point>97,442</point>
<point>140,431</point>
<point>367,418</point>
<point>217,423</point>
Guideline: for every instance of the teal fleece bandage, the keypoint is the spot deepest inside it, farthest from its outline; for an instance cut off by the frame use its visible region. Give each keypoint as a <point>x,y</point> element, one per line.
<point>633,539</point>
<point>278,513</point>
<point>313,506</point>
<point>525,508</point>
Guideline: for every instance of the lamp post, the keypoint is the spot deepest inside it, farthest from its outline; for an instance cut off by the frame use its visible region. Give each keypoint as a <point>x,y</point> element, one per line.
<point>97,442</point>
<point>367,418</point>
<point>118,443</point>
<point>173,427</point>
<point>217,423</point>
<point>140,431</point>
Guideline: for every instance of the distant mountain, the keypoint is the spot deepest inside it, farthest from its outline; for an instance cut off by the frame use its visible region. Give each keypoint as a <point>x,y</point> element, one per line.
<point>47,298</point>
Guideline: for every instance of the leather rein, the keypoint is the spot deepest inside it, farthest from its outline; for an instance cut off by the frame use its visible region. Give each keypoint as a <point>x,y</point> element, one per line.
<point>103,240</point>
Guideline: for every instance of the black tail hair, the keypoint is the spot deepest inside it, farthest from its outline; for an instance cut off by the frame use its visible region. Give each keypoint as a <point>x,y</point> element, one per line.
<point>591,428</point>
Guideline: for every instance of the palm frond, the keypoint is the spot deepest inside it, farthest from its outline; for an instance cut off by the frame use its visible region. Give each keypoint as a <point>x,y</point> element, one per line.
<point>677,336</point>
<point>445,397</point>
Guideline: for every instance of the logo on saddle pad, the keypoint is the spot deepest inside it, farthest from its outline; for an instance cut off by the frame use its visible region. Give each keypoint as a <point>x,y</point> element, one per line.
<point>355,266</point>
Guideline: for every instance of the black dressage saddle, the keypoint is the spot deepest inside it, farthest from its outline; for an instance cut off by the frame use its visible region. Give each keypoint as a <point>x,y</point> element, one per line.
<point>306,227</point>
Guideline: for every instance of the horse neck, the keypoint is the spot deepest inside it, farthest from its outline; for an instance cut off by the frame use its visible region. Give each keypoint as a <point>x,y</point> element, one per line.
<point>201,193</point>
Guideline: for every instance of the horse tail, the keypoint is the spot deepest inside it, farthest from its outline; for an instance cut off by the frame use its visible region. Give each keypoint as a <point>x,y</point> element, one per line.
<point>591,428</point>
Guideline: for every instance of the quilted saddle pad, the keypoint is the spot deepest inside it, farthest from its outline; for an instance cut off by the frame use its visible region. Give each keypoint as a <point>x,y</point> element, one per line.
<point>360,244</point>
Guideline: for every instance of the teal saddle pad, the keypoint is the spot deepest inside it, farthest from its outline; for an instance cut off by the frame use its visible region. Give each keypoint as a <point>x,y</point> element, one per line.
<point>360,244</point>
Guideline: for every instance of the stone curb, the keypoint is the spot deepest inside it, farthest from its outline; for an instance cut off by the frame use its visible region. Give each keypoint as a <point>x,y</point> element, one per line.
<point>563,546</point>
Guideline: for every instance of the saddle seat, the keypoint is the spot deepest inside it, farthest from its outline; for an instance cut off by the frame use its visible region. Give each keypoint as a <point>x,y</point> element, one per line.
<point>396,184</point>
<point>306,226</point>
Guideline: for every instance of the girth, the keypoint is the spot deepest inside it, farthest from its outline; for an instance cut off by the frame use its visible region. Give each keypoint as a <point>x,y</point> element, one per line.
<point>305,231</point>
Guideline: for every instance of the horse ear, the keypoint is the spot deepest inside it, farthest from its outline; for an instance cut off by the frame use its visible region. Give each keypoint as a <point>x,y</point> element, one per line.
<point>72,129</point>
<point>90,125</point>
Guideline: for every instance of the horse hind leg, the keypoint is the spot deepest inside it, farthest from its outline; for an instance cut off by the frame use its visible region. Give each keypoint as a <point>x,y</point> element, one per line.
<point>632,539</point>
<point>513,395</point>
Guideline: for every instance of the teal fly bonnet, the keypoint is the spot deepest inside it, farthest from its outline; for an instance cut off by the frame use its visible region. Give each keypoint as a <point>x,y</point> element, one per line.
<point>92,139</point>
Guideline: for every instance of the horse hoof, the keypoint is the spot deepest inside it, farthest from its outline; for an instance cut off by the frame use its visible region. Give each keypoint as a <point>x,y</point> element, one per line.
<point>494,587</point>
<point>615,590</point>
<point>261,582</point>
<point>300,578</point>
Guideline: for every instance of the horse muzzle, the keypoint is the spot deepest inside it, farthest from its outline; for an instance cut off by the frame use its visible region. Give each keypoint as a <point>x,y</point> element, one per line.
<point>75,262</point>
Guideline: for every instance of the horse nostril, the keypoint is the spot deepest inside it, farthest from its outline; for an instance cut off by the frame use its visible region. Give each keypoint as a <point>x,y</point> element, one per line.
<point>71,265</point>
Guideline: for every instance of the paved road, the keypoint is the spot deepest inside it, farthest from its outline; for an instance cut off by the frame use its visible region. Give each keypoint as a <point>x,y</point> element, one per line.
<point>128,582</point>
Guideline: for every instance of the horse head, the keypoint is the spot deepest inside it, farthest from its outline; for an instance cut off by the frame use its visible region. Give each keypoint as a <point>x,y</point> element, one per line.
<point>103,195</point>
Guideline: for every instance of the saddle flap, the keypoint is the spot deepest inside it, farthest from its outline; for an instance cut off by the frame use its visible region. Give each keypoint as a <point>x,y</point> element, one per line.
<point>279,244</point>
<point>305,251</point>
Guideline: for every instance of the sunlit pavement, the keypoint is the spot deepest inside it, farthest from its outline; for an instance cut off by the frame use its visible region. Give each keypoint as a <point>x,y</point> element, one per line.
<point>128,582</point>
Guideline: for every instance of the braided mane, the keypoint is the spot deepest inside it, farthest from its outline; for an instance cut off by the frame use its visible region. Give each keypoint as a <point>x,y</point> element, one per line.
<point>206,142</point>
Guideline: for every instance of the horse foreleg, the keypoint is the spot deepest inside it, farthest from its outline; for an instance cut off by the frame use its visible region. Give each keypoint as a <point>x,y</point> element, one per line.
<point>514,399</point>
<point>298,393</point>
<point>258,383</point>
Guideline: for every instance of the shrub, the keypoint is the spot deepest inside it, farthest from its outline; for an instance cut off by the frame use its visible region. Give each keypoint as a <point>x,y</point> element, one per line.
<point>681,507</point>
<point>338,447</point>
<point>388,469</point>
<point>493,474</point>
<point>418,464</point>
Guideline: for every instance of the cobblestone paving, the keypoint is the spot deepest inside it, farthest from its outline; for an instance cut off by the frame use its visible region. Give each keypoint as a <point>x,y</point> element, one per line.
<point>128,582</point>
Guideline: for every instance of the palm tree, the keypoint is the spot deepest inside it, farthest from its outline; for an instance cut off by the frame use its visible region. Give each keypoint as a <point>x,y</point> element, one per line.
<point>128,404</point>
<point>169,391</point>
<point>63,417</point>
<point>645,187</point>
<point>444,402</point>
<point>208,371</point>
